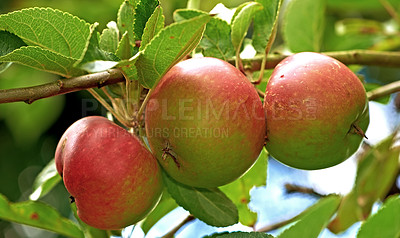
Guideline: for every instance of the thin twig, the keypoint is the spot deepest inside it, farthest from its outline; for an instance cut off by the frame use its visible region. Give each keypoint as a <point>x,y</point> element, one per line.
<point>384,90</point>
<point>103,102</point>
<point>390,9</point>
<point>172,232</point>
<point>360,57</point>
<point>277,225</point>
<point>293,188</point>
<point>141,109</point>
<point>271,40</point>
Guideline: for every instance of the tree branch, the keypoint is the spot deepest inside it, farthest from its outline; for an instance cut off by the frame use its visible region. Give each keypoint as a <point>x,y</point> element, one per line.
<point>172,232</point>
<point>384,90</point>
<point>62,86</point>
<point>361,57</point>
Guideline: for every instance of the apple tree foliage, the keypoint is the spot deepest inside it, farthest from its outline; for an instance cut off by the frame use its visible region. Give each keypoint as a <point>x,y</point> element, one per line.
<point>253,36</point>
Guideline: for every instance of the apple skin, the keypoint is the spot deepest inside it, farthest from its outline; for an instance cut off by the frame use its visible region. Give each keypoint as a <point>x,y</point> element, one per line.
<point>205,122</point>
<point>311,103</point>
<point>113,178</point>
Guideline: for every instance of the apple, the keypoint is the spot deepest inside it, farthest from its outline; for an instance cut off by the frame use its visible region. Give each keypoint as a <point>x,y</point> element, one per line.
<point>316,111</point>
<point>113,179</point>
<point>205,122</point>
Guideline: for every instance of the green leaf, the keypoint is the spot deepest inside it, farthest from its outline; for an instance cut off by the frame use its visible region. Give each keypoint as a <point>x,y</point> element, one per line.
<point>376,173</point>
<point>313,220</point>
<point>125,49</point>
<point>39,215</point>
<point>153,26</point>
<point>239,190</point>
<point>126,17</point>
<point>240,24</point>
<point>239,234</point>
<point>209,205</point>
<point>96,59</point>
<point>44,60</point>
<point>144,9</point>
<point>109,38</point>
<point>166,204</point>
<point>303,25</point>
<point>128,67</point>
<point>216,41</point>
<point>385,223</point>
<point>264,23</point>
<point>171,45</point>
<point>45,181</point>
<point>8,43</point>
<point>49,29</point>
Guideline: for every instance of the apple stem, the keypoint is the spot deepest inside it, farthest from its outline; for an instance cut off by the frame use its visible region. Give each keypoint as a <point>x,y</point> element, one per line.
<point>166,151</point>
<point>107,106</point>
<point>268,47</point>
<point>358,130</point>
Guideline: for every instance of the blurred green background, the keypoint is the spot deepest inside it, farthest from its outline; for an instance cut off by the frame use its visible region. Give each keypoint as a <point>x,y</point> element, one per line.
<point>30,133</point>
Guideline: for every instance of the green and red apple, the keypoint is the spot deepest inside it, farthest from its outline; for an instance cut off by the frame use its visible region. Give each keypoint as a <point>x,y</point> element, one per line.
<point>205,122</point>
<point>316,111</point>
<point>114,180</point>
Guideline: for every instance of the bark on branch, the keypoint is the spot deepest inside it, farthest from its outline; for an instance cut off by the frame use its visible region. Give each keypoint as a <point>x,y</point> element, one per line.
<point>361,57</point>
<point>62,86</point>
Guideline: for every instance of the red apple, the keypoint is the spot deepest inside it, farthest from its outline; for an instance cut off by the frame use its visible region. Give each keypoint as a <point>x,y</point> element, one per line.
<point>316,111</point>
<point>205,122</point>
<point>114,179</point>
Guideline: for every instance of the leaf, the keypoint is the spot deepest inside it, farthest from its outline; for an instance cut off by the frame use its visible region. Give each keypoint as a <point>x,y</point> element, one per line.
<point>44,60</point>
<point>144,9</point>
<point>126,17</point>
<point>209,205</point>
<point>96,59</point>
<point>171,45</point>
<point>124,50</point>
<point>49,29</point>
<point>385,223</point>
<point>239,234</point>
<point>376,173</point>
<point>313,220</point>
<point>216,41</point>
<point>39,215</point>
<point>241,22</point>
<point>303,25</point>
<point>153,26</point>
<point>166,204</point>
<point>128,67</point>
<point>264,21</point>
<point>109,38</point>
<point>45,181</point>
<point>8,43</point>
<point>239,190</point>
